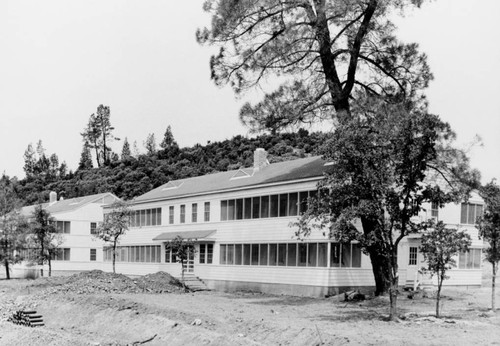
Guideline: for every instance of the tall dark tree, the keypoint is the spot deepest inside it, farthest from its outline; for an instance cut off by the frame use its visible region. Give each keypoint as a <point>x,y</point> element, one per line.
<point>321,50</point>
<point>381,162</point>
<point>98,134</point>
<point>29,161</point>
<point>489,230</point>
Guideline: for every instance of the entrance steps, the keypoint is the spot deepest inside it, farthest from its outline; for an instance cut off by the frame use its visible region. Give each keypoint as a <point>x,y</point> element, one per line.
<point>194,283</point>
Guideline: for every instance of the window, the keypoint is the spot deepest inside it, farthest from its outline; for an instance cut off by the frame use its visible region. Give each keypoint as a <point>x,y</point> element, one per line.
<point>207,211</point>
<point>282,205</point>
<point>145,253</point>
<point>194,212</point>
<point>434,210</point>
<point>171,214</point>
<point>93,254</point>
<point>183,213</point>
<point>146,217</point>
<point>93,228</point>
<point>206,253</point>
<point>470,212</point>
<point>413,252</point>
<point>470,260</point>
<point>62,226</point>
<point>345,255</point>
<point>292,254</point>
<point>62,254</point>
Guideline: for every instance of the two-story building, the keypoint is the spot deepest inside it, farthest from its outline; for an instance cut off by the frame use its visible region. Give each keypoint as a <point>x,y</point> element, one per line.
<point>241,220</point>
<point>76,219</point>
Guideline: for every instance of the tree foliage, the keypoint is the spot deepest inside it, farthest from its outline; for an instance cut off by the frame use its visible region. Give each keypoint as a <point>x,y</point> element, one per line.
<point>115,225</point>
<point>99,134</point>
<point>182,249</point>
<point>13,232</point>
<point>489,230</point>
<point>322,52</point>
<point>440,245</point>
<point>44,237</point>
<point>380,166</point>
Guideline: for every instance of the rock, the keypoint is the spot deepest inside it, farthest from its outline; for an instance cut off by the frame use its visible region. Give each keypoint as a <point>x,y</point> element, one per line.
<point>196,322</point>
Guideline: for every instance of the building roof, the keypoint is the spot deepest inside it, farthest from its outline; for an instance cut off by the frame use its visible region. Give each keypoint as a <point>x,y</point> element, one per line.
<point>70,204</point>
<point>281,172</point>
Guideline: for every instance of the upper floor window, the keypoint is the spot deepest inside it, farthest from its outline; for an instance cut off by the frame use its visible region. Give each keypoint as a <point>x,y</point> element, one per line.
<point>146,217</point>
<point>93,228</point>
<point>279,205</point>
<point>470,212</point>
<point>194,212</point>
<point>434,210</point>
<point>62,226</point>
<point>207,211</point>
<point>183,213</point>
<point>171,214</point>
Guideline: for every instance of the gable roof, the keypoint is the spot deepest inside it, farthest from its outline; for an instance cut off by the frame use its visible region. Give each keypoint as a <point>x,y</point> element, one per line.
<point>307,168</point>
<point>70,204</point>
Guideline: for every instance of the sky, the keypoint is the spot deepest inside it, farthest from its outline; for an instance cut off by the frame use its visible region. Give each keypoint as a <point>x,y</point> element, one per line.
<point>61,59</point>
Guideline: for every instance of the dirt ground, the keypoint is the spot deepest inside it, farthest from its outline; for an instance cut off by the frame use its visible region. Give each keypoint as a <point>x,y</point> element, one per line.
<point>75,314</point>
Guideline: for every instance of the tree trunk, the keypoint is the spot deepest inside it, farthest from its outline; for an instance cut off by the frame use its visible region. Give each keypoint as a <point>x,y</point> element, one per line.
<point>7,273</point>
<point>50,267</point>
<point>114,256</point>
<point>182,270</point>
<point>381,271</point>
<point>438,295</point>
<point>493,279</point>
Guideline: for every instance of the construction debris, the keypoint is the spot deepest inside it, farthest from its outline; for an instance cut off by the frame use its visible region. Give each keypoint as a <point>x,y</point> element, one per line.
<point>26,318</point>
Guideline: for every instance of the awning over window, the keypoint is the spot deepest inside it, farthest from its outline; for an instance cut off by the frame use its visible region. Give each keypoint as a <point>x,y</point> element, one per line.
<point>194,235</point>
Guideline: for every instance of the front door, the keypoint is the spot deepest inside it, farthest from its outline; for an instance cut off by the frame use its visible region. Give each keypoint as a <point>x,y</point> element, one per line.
<point>414,264</point>
<point>189,264</point>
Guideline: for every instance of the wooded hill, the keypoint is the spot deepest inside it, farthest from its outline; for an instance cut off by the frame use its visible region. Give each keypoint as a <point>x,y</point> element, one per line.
<point>131,176</point>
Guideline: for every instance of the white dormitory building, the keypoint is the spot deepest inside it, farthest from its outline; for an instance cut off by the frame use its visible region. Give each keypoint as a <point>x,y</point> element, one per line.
<point>241,220</point>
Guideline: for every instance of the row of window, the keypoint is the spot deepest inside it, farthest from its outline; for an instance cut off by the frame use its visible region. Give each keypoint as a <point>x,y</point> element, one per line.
<point>285,204</point>
<point>470,212</point>
<point>61,254</point>
<point>194,213</point>
<point>146,217</point>
<point>292,254</point>
<point>147,253</point>
<point>470,260</point>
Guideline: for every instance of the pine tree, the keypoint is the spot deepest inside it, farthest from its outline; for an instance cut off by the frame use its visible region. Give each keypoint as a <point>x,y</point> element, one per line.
<point>126,154</point>
<point>86,157</point>
<point>150,144</point>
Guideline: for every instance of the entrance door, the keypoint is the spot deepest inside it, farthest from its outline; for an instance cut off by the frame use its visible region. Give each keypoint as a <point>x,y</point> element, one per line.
<point>412,274</point>
<point>189,264</point>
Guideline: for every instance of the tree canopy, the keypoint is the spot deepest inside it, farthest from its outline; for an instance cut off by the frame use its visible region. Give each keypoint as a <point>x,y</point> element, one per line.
<point>322,51</point>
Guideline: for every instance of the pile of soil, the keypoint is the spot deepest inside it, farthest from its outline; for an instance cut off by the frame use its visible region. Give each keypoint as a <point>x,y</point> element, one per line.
<point>97,281</point>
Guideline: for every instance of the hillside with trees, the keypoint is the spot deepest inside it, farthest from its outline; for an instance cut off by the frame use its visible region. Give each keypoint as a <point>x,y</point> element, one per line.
<point>131,174</point>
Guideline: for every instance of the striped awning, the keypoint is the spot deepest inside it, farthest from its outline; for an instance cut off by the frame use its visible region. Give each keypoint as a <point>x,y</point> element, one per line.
<point>193,235</point>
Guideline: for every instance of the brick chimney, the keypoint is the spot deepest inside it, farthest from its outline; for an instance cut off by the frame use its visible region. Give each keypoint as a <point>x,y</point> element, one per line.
<point>259,159</point>
<point>52,197</point>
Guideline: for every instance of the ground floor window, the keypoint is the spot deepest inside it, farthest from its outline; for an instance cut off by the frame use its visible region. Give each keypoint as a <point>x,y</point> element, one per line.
<point>61,254</point>
<point>206,253</point>
<point>412,260</point>
<point>93,254</point>
<point>145,253</point>
<point>470,259</point>
<point>291,254</point>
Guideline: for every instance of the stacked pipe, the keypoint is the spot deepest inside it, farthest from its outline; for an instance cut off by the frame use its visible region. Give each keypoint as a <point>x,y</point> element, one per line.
<point>26,318</point>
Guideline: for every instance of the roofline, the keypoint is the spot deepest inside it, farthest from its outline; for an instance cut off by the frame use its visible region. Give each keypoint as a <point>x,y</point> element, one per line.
<point>71,209</point>
<point>249,187</point>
